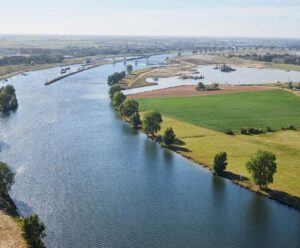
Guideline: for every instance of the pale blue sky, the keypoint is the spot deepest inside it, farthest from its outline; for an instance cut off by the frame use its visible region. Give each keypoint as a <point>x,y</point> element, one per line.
<point>256,18</point>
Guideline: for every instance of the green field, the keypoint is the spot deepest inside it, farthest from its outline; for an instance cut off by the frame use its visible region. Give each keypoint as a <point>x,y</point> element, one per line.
<point>274,108</point>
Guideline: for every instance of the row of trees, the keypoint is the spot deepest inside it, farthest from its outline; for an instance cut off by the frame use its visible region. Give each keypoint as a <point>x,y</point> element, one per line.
<point>35,59</point>
<point>32,227</point>
<point>276,58</point>
<point>151,122</point>
<point>262,167</point>
<point>116,77</point>
<point>8,99</point>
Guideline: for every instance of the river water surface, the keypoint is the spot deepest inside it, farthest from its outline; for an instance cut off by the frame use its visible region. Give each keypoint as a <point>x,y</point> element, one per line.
<point>95,182</point>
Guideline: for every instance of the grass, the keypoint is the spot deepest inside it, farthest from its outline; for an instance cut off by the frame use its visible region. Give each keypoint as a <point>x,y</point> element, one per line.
<point>197,122</point>
<point>274,108</point>
<point>201,145</point>
<point>10,224</point>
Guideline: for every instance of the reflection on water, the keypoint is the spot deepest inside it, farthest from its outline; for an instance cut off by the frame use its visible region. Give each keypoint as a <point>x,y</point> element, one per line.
<point>95,182</point>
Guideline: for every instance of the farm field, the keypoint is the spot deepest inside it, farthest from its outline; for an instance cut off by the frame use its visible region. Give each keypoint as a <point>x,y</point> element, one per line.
<point>272,108</point>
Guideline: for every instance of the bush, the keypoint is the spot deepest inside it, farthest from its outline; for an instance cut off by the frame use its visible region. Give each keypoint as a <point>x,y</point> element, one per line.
<point>229,132</point>
<point>291,127</point>
<point>200,87</point>
<point>269,129</point>
<point>34,231</point>
<point>244,131</point>
<point>249,131</point>
<point>262,167</point>
<point>169,136</point>
<point>7,178</point>
<point>220,163</point>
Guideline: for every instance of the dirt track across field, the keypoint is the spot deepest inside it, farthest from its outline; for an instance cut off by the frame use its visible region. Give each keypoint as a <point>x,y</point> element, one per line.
<point>190,90</point>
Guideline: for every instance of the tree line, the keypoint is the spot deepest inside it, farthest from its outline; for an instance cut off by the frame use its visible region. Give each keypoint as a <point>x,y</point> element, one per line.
<point>27,60</point>
<point>151,121</point>
<point>273,57</point>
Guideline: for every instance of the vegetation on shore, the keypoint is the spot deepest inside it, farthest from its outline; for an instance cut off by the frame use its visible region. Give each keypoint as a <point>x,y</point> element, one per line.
<point>151,122</point>
<point>198,121</point>
<point>8,99</point>
<point>33,229</point>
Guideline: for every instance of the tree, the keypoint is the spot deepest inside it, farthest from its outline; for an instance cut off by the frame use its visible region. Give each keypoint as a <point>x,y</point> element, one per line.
<point>8,99</point>
<point>116,77</point>
<point>129,69</point>
<point>4,101</point>
<point>7,178</point>
<point>34,231</point>
<point>130,106</point>
<point>9,89</point>
<point>135,120</point>
<point>200,87</point>
<point>113,89</point>
<point>220,163</point>
<point>169,136</point>
<point>262,167</point>
<point>118,99</point>
<point>152,121</point>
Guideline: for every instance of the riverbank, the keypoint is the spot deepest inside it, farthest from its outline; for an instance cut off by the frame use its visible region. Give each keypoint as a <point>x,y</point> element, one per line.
<point>202,135</point>
<point>10,224</point>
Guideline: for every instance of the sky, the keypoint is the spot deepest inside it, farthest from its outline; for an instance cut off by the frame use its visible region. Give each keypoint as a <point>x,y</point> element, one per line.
<point>214,18</point>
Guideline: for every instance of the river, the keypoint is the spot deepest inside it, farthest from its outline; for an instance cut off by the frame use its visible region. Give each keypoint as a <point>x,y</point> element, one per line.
<point>96,182</point>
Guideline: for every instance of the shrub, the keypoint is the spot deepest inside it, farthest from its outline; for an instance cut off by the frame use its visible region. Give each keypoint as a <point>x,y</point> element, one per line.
<point>229,132</point>
<point>269,129</point>
<point>220,163</point>
<point>248,131</point>
<point>169,136</point>
<point>244,131</point>
<point>34,231</point>
<point>291,127</point>
<point>7,178</point>
<point>200,87</point>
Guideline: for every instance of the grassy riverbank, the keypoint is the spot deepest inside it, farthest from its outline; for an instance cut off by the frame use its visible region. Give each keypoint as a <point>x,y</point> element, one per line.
<point>197,122</point>
<point>10,224</point>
